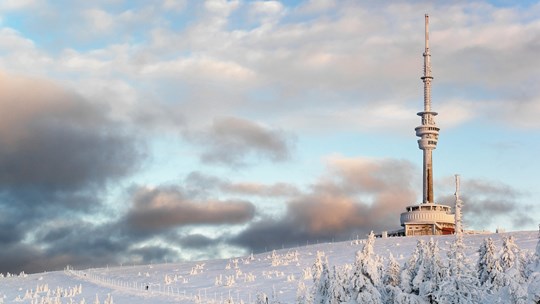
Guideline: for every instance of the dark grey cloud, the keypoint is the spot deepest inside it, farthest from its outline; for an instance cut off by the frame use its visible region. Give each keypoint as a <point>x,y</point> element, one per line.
<point>168,207</point>
<point>58,154</point>
<point>86,244</point>
<point>10,229</point>
<point>54,140</point>
<point>59,244</point>
<point>487,202</point>
<point>230,141</point>
<point>153,254</point>
<point>197,241</point>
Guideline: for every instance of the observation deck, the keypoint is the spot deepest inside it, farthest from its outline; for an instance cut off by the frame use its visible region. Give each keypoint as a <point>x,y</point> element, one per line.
<point>428,131</point>
<point>428,219</point>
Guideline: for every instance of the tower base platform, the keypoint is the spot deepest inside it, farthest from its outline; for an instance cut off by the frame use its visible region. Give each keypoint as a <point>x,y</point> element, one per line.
<point>427,219</point>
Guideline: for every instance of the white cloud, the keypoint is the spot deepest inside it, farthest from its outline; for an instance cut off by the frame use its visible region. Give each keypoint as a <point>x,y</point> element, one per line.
<point>72,59</point>
<point>9,5</point>
<point>222,7</point>
<point>175,5</point>
<point>12,40</point>
<point>266,13</point>
<point>204,69</point>
<point>386,117</point>
<point>315,6</point>
<point>21,54</point>
<point>521,113</point>
<point>454,113</point>
<point>366,58</point>
<point>99,20</point>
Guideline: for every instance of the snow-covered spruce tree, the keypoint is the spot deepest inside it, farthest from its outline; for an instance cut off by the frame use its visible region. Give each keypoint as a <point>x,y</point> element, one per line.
<point>322,286</point>
<point>460,285</point>
<point>262,298</point>
<point>423,272</point>
<point>408,298</point>
<point>338,285</point>
<point>537,253</point>
<point>430,273</point>
<point>410,269</point>
<point>391,281</point>
<point>317,267</point>
<point>508,286</point>
<point>487,268</point>
<point>392,272</point>
<point>302,296</point>
<point>512,259</point>
<point>316,271</point>
<point>366,275</point>
<point>534,278</point>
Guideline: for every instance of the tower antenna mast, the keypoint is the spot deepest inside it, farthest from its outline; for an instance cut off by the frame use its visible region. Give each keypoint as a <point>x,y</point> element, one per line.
<point>459,205</point>
<point>427,131</point>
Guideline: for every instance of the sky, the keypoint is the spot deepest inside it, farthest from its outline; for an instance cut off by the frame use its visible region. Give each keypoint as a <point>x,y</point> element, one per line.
<point>157,131</point>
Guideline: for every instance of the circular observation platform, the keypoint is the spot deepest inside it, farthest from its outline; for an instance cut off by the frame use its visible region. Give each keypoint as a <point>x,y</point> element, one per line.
<point>427,213</point>
<point>428,219</point>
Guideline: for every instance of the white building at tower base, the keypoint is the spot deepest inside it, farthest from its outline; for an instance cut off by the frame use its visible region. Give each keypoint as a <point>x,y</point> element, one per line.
<point>427,219</point>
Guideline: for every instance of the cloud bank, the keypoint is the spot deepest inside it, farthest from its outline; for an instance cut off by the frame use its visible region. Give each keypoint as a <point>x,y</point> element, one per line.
<point>240,98</point>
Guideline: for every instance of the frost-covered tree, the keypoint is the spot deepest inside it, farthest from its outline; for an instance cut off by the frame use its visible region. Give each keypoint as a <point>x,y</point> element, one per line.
<point>391,281</point>
<point>410,269</point>
<point>372,263</point>
<point>487,267</point>
<point>534,278</point>
<point>366,275</point>
<point>511,258</point>
<point>302,297</point>
<point>423,272</point>
<point>338,285</point>
<point>534,288</point>
<point>537,254</point>
<point>323,284</point>
<point>509,285</point>
<point>317,267</point>
<point>408,298</point>
<point>430,272</point>
<point>109,299</point>
<point>392,272</point>
<point>262,298</point>
<point>460,285</point>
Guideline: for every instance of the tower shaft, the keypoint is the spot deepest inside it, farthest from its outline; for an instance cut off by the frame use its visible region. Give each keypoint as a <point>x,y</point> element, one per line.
<point>428,177</point>
<point>427,131</point>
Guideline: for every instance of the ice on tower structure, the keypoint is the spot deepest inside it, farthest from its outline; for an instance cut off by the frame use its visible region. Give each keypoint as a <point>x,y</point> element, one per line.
<point>427,218</point>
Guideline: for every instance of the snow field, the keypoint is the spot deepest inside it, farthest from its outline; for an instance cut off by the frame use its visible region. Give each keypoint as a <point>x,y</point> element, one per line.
<point>277,274</point>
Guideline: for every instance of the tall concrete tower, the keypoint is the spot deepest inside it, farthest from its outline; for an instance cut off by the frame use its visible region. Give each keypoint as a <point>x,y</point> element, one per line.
<point>427,131</point>
<point>427,218</point>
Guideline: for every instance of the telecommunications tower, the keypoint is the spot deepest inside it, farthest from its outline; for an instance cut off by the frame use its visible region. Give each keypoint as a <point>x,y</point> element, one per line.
<point>427,131</point>
<point>427,218</point>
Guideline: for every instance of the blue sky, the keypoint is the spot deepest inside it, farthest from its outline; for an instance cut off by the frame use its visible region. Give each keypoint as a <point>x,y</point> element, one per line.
<point>145,131</point>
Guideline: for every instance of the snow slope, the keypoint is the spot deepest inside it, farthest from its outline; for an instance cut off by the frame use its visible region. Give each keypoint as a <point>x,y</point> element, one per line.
<point>276,274</point>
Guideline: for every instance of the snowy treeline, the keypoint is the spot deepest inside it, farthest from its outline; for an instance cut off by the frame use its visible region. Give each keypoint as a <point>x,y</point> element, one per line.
<point>11,275</point>
<point>500,275</point>
<point>43,295</point>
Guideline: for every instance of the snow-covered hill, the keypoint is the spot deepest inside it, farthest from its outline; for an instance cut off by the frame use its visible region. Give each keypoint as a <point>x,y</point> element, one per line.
<point>276,274</point>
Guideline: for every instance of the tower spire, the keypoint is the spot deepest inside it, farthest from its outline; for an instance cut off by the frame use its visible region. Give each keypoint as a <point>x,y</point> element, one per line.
<point>427,33</point>
<point>427,131</point>
<point>427,70</point>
